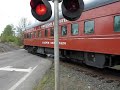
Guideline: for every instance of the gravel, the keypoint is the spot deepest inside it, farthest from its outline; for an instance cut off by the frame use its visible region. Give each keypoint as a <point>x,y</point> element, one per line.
<point>82,77</point>
<point>76,77</point>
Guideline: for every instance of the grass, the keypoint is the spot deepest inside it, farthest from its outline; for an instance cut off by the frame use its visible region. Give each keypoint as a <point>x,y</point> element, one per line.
<point>47,82</point>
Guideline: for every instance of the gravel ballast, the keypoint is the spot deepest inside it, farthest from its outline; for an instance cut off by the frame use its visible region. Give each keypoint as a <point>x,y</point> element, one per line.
<point>77,77</point>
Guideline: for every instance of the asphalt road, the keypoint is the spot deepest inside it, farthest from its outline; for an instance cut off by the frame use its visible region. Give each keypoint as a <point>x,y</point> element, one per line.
<point>20,70</point>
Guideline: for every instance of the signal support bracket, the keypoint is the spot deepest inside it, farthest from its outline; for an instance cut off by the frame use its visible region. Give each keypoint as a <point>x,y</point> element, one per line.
<point>58,0</point>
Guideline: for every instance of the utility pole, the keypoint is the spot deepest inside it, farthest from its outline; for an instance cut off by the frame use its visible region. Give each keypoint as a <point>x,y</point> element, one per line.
<point>56,45</point>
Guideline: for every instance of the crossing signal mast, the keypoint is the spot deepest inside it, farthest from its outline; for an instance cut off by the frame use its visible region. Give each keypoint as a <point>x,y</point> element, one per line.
<point>71,9</point>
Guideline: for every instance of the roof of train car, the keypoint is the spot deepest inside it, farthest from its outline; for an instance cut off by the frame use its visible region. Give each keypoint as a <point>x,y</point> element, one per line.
<point>93,4</point>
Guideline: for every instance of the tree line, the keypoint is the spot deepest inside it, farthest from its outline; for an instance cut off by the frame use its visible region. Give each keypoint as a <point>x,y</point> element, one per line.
<point>14,34</point>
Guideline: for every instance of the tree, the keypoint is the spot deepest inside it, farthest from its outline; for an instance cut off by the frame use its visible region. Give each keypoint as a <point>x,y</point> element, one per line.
<point>23,23</point>
<point>8,34</point>
<point>8,30</point>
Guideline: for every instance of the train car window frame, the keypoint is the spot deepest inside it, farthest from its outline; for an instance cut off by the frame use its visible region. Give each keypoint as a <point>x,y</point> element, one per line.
<point>35,34</point>
<point>30,35</point>
<point>51,31</point>
<point>46,32</point>
<point>27,35</point>
<point>64,30</point>
<point>117,24</point>
<point>91,30</point>
<point>39,34</point>
<point>74,31</point>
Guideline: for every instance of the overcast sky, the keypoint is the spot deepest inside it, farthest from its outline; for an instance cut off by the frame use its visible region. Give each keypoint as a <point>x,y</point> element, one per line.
<point>11,11</point>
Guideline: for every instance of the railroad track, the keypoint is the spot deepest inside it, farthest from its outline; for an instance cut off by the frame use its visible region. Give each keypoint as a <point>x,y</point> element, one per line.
<point>107,74</point>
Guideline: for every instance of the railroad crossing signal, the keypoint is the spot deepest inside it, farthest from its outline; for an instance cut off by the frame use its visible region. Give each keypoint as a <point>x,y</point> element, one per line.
<point>71,9</point>
<point>41,9</point>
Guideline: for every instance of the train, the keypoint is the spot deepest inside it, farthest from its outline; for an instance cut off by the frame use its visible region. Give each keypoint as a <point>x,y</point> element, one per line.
<point>93,39</point>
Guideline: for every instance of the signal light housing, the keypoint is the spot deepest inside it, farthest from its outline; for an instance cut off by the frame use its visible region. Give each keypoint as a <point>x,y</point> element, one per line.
<point>41,9</point>
<point>72,9</point>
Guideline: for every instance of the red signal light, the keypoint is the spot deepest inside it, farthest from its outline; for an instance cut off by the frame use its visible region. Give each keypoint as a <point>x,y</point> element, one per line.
<point>41,9</point>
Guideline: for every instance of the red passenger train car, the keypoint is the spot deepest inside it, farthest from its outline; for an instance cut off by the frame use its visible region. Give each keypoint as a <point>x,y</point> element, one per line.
<point>94,38</point>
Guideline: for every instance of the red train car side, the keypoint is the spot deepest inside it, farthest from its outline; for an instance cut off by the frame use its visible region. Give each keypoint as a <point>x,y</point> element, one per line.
<point>94,38</point>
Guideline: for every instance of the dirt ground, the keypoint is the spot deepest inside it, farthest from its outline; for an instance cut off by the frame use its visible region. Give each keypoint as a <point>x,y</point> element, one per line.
<point>6,47</point>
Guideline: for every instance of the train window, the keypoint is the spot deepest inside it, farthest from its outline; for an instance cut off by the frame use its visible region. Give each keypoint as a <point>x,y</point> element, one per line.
<point>117,24</point>
<point>64,30</point>
<point>39,33</point>
<point>34,34</point>
<point>27,35</point>
<point>52,32</point>
<point>74,30</point>
<point>89,27</point>
<point>46,32</point>
<point>30,35</point>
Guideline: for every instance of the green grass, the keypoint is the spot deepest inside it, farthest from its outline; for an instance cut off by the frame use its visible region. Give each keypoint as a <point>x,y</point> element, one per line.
<point>47,82</point>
